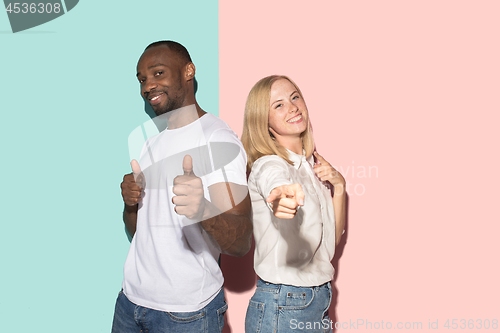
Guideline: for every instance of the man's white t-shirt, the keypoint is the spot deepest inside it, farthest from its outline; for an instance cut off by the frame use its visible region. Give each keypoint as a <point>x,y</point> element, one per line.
<point>172,264</point>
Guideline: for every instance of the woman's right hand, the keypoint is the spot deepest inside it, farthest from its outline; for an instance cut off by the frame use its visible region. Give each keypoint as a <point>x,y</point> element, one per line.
<point>286,199</point>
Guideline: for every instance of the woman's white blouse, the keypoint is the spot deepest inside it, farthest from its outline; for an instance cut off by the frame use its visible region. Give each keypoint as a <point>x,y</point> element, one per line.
<point>294,251</point>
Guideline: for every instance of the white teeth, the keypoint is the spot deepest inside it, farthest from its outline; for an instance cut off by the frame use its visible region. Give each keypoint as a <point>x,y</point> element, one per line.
<point>155,98</point>
<point>294,119</point>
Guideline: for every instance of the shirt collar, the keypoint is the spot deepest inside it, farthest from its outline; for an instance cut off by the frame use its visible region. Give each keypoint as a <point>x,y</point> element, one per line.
<point>298,160</point>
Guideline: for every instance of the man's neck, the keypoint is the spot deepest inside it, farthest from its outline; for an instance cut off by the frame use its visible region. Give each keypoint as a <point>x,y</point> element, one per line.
<point>179,118</point>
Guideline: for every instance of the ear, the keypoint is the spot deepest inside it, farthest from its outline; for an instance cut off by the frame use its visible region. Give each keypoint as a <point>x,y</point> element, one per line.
<point>272,132</point>
<point>190,71</point>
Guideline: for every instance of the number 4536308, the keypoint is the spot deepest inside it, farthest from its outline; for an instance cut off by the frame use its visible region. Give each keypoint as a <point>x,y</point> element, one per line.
<point>471,324</point>
<point>33,8</point>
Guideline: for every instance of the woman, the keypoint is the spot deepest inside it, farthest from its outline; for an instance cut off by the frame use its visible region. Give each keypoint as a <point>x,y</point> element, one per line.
<point>296,222</point>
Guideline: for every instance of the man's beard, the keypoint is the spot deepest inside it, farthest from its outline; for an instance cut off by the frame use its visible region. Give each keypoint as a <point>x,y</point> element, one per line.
<point>172,104</point>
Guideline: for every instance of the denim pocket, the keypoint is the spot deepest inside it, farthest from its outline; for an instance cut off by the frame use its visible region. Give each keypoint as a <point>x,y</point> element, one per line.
<point>298,301</point>
<point>220,315</point>
<point>253,319</point>
<point>186,317</point>
<point>295,299</point>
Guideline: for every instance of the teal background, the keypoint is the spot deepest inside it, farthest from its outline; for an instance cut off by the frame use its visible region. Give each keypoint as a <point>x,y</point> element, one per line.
<point>69,100</point>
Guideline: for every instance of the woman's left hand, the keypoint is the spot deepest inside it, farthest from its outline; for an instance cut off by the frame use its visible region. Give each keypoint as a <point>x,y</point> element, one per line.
<point>326,172</point>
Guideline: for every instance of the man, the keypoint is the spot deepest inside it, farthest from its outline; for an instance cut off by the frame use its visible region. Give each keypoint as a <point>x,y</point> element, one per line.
<point>185,203</point>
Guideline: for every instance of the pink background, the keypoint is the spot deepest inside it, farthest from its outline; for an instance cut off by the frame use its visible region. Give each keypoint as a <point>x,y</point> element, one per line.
<point>412,90</point>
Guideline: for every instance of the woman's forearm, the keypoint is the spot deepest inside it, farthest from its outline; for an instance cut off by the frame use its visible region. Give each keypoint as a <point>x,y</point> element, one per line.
<point>339,206</point>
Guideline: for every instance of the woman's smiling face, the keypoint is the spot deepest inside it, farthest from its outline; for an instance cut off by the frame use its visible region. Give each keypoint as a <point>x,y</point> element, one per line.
<point>288,116</point>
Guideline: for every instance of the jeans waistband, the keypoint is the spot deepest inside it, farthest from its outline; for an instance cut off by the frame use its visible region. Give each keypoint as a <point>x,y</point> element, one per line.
<point>276,286</point>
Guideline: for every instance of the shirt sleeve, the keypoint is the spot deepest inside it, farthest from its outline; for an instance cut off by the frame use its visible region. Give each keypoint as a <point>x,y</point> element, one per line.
<point>269,172</point>
<point>228,158</point>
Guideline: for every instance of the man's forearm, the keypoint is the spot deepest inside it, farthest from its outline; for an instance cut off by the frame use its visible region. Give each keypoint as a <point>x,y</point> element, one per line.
<point>232,231</point>
<point>130,218</point>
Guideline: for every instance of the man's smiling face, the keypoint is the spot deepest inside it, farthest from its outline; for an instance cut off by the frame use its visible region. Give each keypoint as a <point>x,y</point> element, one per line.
<point>159,71</point>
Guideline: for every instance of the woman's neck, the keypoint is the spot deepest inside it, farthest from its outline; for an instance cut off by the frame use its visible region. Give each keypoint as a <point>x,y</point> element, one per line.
<point>292,144</point>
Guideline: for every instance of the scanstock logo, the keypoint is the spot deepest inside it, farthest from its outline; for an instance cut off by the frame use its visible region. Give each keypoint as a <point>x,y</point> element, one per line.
<point>26,15</point>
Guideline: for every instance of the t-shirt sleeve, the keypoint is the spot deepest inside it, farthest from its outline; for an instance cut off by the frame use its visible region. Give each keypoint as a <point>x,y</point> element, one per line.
<point>269,172</point>
<point>228,158</point>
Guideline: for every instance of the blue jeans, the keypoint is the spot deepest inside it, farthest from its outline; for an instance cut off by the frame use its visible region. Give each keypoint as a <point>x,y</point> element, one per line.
<point>131,318</point>
<point>282,308</point>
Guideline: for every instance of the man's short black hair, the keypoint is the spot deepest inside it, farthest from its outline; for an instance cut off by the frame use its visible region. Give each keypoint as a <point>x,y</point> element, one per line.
<point>178,48</point>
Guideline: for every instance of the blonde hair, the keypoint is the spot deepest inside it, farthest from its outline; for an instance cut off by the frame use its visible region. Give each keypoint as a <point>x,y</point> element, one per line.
<point>256,138</point>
